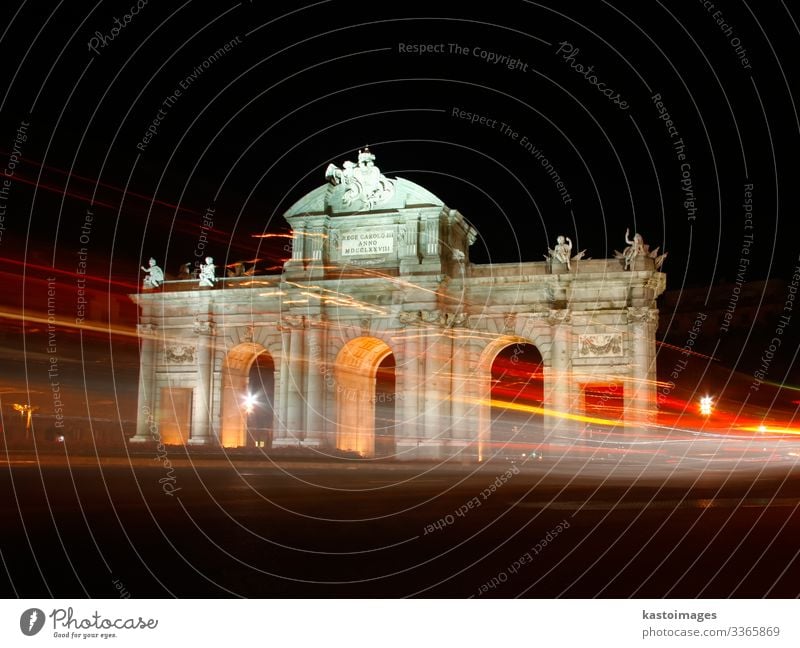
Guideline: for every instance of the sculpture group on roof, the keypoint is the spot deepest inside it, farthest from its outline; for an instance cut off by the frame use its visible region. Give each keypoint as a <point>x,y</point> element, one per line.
<point>365,185</point>
<point>638,248</point>
<point>203,273</point>
<point>562,252</point>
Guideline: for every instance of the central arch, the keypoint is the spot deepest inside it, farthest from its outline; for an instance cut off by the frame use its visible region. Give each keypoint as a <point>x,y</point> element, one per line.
<point>355,371</point>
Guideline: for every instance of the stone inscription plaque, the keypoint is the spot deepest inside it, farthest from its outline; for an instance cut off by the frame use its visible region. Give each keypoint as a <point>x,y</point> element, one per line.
<point>368,241</point>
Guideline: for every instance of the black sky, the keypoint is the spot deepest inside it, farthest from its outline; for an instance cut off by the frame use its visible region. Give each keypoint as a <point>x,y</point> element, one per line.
<point>305,84</point>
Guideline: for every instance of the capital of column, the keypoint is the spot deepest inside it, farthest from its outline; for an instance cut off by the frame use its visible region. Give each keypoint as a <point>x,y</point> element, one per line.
<point>203,327</point>
<point>642,314</point>
<point>558,316</point>
<point>436,317</point>
<point>291,322</point>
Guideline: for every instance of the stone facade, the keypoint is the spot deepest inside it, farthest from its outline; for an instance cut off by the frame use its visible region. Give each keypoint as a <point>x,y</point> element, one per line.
<point>381,266</point>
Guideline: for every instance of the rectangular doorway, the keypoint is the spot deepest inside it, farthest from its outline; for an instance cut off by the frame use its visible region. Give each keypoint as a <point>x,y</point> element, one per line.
<point>175,415</point>
<point>605,401</point>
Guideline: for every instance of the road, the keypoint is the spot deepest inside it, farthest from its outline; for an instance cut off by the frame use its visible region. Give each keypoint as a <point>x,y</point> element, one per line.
<point>207,526</point>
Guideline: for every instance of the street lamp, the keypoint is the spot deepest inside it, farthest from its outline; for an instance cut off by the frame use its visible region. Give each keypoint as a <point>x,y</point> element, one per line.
<point>250,402</point>
<point>706,405</point>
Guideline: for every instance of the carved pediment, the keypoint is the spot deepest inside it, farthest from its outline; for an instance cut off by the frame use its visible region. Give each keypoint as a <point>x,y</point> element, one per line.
<point>600,345</point>
<point>180,353</point>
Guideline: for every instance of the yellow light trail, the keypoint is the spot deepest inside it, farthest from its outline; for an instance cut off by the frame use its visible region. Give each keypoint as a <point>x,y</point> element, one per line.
<point>534,409</point>
<point>19,316</point>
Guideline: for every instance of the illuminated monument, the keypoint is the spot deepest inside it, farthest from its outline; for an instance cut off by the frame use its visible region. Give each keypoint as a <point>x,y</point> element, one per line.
<point>380,270</point>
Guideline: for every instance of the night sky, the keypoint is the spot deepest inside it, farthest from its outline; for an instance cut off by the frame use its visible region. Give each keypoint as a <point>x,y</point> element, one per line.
<point>490,107</point>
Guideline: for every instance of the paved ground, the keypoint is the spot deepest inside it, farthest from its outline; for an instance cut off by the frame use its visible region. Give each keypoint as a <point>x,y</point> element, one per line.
<point>205,526</point>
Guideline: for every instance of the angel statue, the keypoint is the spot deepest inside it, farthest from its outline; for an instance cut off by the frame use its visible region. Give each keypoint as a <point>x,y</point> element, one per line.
<point>636,248</point>
<point>207,273</point>
<point>562,252</point>
<point>155,275</point>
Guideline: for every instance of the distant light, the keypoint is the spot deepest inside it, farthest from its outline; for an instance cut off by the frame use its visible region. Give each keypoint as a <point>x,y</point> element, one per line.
<point>762,428</point>
<point>706,405</point>
<point>250,402</point>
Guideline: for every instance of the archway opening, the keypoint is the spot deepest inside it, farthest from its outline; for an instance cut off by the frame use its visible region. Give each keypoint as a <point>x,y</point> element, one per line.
<point>385,398</point>
<point>248,390</point>
<point>259,402</point>
<point>517,393</point>
<point>365,373</point>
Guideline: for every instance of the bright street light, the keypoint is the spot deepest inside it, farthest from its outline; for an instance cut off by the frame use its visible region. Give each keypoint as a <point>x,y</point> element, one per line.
<point>250,402</point>
<point>706,405</point>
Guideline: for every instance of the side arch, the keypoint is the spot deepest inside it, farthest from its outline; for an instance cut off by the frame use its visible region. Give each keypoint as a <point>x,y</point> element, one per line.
<point>484,385</point>
<point>235,375</point>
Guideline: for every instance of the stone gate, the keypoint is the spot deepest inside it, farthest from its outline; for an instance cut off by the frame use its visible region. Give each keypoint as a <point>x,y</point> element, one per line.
<point>380,268</point>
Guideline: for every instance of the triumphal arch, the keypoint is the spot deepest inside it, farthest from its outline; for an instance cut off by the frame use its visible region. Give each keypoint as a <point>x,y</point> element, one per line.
<point>380,277</point>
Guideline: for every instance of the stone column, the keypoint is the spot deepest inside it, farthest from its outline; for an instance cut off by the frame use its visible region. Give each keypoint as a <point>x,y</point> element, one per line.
<point>559,396</point>
<point>299,244</point>
<point>408,238</point>
<point>201,433</point>
<point>641,397</point>
<point>314,249</point>
<point>408,361</point>
<point>147,416</point>
<point>436,386</point>
<point>464,430</point>
<point>294,405</point>
<point>432,236</point>
<point>315,384</point>
<point>282,385</point>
